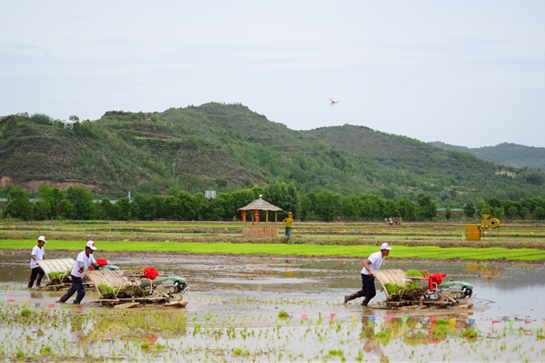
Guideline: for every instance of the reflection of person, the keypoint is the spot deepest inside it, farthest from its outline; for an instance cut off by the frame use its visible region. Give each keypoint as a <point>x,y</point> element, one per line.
<point>372,263</point>
<point>37,254</point>
<point>288,221</point>
<point>374,350</point>
<point>84,260</point>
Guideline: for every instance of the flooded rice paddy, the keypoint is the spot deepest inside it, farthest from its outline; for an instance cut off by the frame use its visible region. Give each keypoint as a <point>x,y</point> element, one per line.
<point>233,315</point>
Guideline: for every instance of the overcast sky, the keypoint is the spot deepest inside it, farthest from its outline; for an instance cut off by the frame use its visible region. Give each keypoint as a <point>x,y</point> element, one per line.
<point>467,73</point>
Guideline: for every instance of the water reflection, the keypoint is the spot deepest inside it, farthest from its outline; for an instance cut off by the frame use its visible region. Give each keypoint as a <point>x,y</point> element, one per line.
<point>412,331</point>
<point>371,347</point>
<point>489,273</point>
<point>374,351</point>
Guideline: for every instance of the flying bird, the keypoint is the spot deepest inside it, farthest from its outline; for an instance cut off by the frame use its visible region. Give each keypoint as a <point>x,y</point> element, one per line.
<point>333,102</point>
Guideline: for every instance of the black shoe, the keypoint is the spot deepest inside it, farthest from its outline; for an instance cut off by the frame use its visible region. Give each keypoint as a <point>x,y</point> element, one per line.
<point>76,302</point>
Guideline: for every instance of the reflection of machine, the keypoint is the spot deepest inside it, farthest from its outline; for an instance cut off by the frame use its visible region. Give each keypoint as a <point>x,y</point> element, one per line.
<point>474,232</point>
<point>489,273</point>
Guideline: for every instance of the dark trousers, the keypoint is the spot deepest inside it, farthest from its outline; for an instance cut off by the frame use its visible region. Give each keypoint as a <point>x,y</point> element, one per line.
<point>367,286</point>
<point>36,272</point>
<point>77,285</point>
<point>288,232</point>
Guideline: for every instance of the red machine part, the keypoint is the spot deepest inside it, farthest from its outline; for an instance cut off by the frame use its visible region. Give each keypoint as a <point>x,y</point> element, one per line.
<point>256,216</point>
<point>434,278</point>
<point>151,273</point>
<point>101,262</point>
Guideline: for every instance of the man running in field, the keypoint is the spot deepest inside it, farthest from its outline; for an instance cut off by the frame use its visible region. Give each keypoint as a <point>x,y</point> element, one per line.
<point>372,263</point>
<point>37,254</point>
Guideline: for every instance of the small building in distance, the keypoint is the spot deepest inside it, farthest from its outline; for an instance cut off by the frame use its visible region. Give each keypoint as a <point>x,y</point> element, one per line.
<point>254,208</point>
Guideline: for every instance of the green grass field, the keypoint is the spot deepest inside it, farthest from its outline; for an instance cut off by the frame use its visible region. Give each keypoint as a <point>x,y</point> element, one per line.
<point>424,252</point>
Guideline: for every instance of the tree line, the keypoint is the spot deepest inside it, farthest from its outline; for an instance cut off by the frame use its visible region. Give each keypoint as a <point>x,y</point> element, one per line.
<point>77,203</point>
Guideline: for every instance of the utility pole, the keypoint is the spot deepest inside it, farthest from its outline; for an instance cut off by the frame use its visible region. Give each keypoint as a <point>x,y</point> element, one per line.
<point>173,168</point>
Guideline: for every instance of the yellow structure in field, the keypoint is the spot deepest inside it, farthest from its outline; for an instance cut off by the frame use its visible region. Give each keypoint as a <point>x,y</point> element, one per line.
<point>474,232</point>
<point>490,222</point>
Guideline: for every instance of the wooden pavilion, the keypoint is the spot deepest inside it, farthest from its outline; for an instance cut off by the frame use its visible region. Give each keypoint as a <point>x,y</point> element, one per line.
<point>254,208</point>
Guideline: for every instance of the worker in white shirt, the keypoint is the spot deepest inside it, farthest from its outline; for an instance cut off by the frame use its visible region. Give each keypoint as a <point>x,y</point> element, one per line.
<point>83,262</point>
<point>372,263</point>
<point>37,254</point>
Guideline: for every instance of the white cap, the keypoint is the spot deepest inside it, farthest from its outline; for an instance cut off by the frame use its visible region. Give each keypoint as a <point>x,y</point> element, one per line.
<point>385,246</point>
<point>42,238</point>
<point>91,245</point>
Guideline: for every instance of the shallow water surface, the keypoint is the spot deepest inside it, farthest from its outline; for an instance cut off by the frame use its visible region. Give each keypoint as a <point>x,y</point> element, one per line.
<point>234,304</point>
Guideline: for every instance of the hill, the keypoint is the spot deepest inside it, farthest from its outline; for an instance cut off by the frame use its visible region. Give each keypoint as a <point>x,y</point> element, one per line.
<point>519,156</point>
<point>227,147</point>
<point>441,171</point>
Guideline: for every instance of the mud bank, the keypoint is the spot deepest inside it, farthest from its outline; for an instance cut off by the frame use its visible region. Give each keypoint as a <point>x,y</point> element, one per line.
<point>263,256</point>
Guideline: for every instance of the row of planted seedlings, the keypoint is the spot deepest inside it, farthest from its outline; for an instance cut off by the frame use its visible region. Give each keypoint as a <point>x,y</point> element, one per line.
<point>260,301</point>
<point>136,334</point>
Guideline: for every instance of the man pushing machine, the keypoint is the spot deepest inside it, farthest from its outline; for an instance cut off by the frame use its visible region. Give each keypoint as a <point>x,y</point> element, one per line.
<point>37,254</point>
<point>83,262</point>
<point>372,263</point>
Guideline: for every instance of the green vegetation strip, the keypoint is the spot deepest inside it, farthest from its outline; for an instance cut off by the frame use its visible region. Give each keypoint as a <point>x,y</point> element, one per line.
<point>431,252</point>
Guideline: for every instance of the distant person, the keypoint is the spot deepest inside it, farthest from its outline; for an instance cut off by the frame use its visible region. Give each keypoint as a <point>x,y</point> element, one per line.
<point>386,221</point>
<point>83,262</point>
<point>37,254</point>
<point>372,263</point>
<point>288,221</point>
<point>391,221</point>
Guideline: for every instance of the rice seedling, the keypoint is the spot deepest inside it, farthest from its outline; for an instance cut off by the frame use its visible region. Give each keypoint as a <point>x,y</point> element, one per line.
<point>46,350</point>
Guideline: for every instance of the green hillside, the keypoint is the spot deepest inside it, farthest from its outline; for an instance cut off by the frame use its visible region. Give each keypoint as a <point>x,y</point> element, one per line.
<point>439,171</point>
<point>519,156</point>
<point>226,147</point>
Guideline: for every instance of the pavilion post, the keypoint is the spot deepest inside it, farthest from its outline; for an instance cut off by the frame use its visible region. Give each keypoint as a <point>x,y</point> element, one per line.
<point>275,219</point>
<point>267,218</point>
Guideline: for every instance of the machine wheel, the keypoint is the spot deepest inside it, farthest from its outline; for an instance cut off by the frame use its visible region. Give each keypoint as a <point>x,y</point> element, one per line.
<point>179,287</point>
<point>467,292</point>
